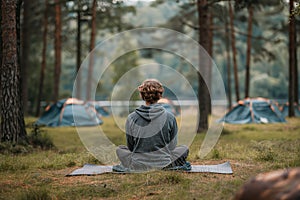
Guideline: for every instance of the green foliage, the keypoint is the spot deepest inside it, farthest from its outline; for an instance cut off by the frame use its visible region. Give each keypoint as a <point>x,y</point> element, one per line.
<point>35,194</point>
<point>174,178</point>
<point>8,148</point>
<point>39,139</point>
<point>269,38</point>
<point>297,11</point>
<point>216,154</point>
<point>264,151</point>
<point>10,165</point>
<point>296,161</point>
<point>36,140</point>
<point>64,160</point>
<point>92,160</point>
<point>89,192</point>
<point>250,148</point>
<point>110,20</point>
<point>225,131</point>
<point>239,4</point>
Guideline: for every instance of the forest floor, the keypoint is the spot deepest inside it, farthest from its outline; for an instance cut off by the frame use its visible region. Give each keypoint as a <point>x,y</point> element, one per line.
<point>250,149</point>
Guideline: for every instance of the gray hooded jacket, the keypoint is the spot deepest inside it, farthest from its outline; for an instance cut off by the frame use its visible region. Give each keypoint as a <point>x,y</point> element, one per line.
<point>151,134</point>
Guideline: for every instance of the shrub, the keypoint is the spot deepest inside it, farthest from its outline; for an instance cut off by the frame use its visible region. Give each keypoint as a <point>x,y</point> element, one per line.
<point>216,154</point>
<point>11,148</point>
<point>172,179</point>
<point>39,139</point>
<point>36,139</point>
<point>264,151</point>
<point>226,131</point>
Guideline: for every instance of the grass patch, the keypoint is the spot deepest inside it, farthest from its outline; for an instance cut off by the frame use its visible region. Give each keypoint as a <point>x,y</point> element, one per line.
<point>40,139</point>
<point>9,164</point>
<point>264,151</point>
<point>40,173</point>
<point>36,139</point>
<point>8,148</point>
<point>89,192</point>
<point>35,194</point>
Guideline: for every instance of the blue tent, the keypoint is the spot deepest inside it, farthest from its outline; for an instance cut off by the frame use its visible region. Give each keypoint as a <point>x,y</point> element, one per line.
<point>256,110</point>
<point>101,110</point>
<point>285,110</point>
<point>70,112</point>
<point>168,105</point>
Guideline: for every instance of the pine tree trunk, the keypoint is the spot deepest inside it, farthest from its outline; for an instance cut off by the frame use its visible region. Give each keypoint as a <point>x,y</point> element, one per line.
<point>78,56</point>
<point>25,54</point>
<point>228,63</point>
<point>210,52</point>
<point>0,64</point>
<point>296,87</point>
<point>57,44</point>
<point>248,59</point>
<point>22,133</point>
<point>235,69</point>
<point>204,64</point>
<point>292,63</point>
<point>92,45</point>
<point>44,59</point>
<point>12,121</point>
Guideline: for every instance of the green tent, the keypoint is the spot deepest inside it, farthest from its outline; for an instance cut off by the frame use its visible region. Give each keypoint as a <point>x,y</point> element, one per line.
<point>70,112</point>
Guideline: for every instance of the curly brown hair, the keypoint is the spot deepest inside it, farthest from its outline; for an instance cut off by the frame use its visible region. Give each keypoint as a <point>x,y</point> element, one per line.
<point>151,90</point>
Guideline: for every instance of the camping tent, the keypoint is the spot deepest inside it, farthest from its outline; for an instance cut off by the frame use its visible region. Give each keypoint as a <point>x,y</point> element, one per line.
<point>168,105</point>
<point>254,110</point>
<point>285,110</point>
<point>100,109</point>
<point>70,112</point>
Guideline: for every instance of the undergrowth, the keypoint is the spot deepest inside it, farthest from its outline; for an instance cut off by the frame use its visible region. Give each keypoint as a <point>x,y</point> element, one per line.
<point>37,139</point>
<point>37,170</point>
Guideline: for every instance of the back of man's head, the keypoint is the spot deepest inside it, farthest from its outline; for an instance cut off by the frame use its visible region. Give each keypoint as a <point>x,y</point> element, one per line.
<point>151,90</point>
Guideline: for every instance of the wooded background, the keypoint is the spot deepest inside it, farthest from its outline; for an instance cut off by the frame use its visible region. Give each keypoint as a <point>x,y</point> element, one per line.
<point>253,43</point>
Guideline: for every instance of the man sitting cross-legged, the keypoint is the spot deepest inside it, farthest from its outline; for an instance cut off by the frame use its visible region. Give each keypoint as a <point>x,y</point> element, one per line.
<point>151,135</point>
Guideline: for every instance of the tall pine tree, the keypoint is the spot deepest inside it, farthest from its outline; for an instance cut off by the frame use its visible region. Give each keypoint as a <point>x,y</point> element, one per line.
<point>12,117</point>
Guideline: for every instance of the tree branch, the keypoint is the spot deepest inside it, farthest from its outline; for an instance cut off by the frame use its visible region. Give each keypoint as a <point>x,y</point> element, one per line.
<point>189,25</point>
<point>215,1</point>
<point>235,31</point>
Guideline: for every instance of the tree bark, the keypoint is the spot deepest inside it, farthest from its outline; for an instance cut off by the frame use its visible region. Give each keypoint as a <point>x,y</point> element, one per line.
<point>296,89</point>
<point>12,121</point>
<point>21,115</point>
<point>235,69</point>
<point>296,78</point>
<point>44,59</point>
<point>0,63</point>
<point>292,63</point>
<point>57,69</point>
<point>248,59</point>
<point>204,63</point>
<point>92,46</point>
<point>210,52</point>
<point>78,56</point>
<point>25,54</point>
<point>228,63</point>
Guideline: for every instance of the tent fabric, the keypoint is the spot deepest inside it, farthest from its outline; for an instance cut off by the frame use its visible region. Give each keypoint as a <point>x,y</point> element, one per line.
<point>70,112</point>
<point>285,110</point>
<point>101,110</point>
<point>168,105</point>
<point>258,110</point>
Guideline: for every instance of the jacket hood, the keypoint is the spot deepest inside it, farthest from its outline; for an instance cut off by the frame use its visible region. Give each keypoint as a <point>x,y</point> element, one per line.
<point>150,112</point>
